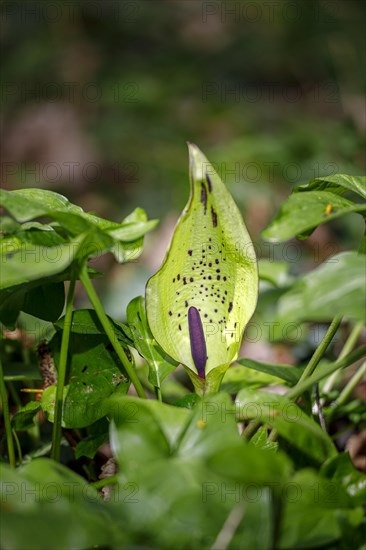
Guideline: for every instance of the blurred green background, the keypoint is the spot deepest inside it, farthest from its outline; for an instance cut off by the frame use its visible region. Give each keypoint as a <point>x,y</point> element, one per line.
<point>100,97</point>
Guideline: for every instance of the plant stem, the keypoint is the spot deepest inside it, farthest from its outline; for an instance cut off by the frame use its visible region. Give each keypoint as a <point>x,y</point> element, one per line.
<point>348,389</point>
<point>347,348</point>
<point>321,349</point>
<point>7,423</point>
<point>252,427</point>
<point>158,394</point>
<point>61,374</point>
<point>93,297</point>
<point>111,480</point>
<point>19,449</point>
<point>297,390</point>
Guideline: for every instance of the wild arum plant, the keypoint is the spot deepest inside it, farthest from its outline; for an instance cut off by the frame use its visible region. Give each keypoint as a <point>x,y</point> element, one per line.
<point>201,471</point>
<point>205,293</point>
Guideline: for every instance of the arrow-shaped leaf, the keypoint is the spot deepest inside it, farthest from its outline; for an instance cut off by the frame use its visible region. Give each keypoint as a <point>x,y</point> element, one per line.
<point>200,301</point>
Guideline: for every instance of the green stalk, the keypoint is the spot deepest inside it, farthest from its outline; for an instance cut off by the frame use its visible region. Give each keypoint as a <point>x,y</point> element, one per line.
<point>321,349</point>
<point>61,374</point>
<point>252,427</point>
<point>347,348</point>
<point>314,361</point>
<point>93,297</point>
<point>299,389</point>
<point>158,394</point>
<point>7,423</point>
<point>348,389</point>
<point>19,449</point>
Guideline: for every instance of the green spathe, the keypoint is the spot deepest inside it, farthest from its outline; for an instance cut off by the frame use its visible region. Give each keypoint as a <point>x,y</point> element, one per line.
<point>211,266</point>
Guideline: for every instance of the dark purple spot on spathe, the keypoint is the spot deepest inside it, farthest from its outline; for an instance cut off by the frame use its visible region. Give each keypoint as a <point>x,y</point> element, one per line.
<point>209,182</point>
<point>190,252</point>
<point>230,307</point>
<point>197,338</point>
<point>214,217</point>
<point>204,197</point>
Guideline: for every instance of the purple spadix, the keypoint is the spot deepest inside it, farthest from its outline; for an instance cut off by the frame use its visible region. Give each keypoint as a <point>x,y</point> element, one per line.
<point>198,343</point>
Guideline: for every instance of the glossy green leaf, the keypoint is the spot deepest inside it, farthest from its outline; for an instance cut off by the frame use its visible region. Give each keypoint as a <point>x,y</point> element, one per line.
<point>89,445</point>
<point>285,372</point>
<point>129,236</point>
<point>248,464</point>
<point>27,204</point>
<point>160,365</point>
<point>32,262</point>
<point>24,418</point>
<point>45,301</point>
<point>123,239</point>
<point>303,212</point>
<point>337,287</point>
<point>239,376</point>
<point>341,470</point>
<point>95,373</point>
<point>39,237</point>
<point>144,430</point>
<point>288,419</point>
<point>86,322</point>
<point>210,266</point>
<point>339,183</point>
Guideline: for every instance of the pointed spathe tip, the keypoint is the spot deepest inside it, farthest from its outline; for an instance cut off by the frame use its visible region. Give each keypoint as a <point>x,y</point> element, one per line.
<point>198,162</point>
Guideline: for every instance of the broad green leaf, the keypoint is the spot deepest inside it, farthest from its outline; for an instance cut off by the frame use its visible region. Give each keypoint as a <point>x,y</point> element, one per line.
<point>303,212</point>
<point>45,301</point>
<point>12,299</point>
<point>27,204</point>
<point>339,183</point>
<point>239,376</point>
<point>275,273</point>
<point>288,419</point>
<point>160,365</point>
<point>135,225</point>
<point>24,418</point>
<point>285,372</point>
<point>337,287</point>
<point>89,445</point>
<point>39,237</point>
<point>212,428</point>
<point>55,507</point>
<point>209,278</point>
<point>86,322</point>
<point>317,512</point>
<point>260,440</point>
<point>32,262</point>
<point>340,469</point>
<point>144,430</point>
<point>95,373</point>
<point>8,225</point>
